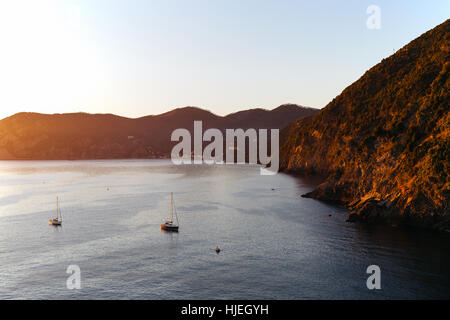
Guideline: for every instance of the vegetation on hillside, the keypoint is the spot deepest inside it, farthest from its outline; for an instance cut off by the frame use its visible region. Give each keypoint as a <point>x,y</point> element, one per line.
<point>385,139</point>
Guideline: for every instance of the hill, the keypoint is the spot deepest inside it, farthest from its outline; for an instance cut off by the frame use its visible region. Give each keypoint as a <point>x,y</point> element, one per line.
<point>383,143</point>
<point>34,136</point>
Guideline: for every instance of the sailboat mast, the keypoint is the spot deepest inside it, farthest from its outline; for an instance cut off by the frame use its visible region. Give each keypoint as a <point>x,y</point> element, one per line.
<point>171,206</point>
<point>174,209</point>
<point>176,215</point>
<point>57,208</point>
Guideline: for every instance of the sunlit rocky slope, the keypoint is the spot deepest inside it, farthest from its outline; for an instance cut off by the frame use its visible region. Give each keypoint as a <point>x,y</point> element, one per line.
<point>384,143</point>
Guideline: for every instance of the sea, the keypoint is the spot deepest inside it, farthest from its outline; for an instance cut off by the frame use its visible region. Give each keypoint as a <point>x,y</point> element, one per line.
<point>274,243</point>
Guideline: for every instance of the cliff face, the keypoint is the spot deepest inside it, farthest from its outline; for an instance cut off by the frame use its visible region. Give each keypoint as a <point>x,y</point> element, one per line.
<point>34,136</point>
<point>384,141</point>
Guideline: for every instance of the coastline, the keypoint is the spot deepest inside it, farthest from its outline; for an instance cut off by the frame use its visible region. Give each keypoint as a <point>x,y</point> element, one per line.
<point>377,211</point>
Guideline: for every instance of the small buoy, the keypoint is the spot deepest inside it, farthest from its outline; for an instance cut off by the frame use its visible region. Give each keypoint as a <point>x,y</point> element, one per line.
<point>329,214</point>
<point>217,249</point>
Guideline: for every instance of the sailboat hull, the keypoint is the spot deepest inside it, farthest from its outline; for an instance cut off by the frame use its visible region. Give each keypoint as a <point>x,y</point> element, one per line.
<point>172,228</point>
<point>55,223</point>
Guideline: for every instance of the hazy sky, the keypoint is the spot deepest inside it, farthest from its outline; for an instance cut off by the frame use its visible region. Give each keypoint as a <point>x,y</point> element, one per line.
<point>135,58</point>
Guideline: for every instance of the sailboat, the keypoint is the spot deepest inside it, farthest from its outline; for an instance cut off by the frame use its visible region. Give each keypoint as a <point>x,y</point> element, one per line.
<point>169,225</point>
<point>58,220</point>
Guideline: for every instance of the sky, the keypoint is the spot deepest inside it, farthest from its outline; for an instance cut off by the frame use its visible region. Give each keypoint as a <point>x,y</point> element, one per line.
<point>142,57</point>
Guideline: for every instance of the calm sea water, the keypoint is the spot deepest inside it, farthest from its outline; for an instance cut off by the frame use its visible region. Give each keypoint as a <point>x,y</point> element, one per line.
<point>275,244</point>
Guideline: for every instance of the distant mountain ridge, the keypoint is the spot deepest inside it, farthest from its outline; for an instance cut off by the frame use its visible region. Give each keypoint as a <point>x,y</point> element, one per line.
<point>34,136</point>
<point>384,142</point>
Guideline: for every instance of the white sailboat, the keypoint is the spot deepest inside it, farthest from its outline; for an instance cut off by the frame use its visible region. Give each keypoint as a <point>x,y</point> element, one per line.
<point>58,220</point>
<point>170,225</point>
